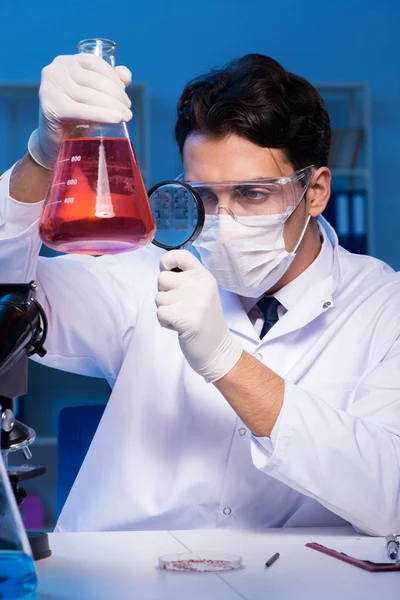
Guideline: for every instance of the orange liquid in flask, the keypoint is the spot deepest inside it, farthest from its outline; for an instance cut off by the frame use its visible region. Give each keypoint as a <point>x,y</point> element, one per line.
<point>97,202</point>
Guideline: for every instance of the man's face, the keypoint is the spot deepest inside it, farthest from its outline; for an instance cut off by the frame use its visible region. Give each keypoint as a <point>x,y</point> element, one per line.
<point>234,158</point>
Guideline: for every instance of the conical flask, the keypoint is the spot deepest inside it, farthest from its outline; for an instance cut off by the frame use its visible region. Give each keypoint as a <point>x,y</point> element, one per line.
<point>97,202</point>
<point>17,569</point>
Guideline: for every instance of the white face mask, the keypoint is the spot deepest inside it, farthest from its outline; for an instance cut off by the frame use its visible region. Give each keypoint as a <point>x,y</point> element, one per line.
<point>247,260</point>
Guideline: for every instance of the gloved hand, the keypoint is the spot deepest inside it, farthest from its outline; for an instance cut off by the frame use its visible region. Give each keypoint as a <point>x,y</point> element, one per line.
<point>189,302</point>
<point>81,87</point>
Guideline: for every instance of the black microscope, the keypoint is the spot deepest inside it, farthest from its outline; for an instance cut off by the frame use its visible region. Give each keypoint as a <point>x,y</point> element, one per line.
<point>23,330</point>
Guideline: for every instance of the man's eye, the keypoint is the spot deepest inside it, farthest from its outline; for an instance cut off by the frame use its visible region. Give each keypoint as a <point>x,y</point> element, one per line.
<point>207,196</point>
<point>253,194</point>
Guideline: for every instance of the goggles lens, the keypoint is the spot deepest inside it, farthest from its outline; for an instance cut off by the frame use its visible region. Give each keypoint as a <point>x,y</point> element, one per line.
<point>254,198</point>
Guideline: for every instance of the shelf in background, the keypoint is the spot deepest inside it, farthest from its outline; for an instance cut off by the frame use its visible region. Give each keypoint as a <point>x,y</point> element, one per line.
<point>342,86</point>
<point>45,440</point>
<point>349,172</point>
<point>351,208</point>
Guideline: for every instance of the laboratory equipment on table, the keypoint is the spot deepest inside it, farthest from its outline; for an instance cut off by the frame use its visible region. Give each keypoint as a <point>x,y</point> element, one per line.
<point>204,562</point>
<point>23,328</point>
<point>17,569</point>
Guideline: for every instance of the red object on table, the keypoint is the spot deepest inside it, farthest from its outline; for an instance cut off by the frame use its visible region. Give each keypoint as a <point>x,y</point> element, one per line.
<point>362,564</point>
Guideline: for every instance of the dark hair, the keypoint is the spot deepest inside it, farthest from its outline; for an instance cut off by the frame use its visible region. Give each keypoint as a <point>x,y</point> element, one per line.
<point>256,98</point>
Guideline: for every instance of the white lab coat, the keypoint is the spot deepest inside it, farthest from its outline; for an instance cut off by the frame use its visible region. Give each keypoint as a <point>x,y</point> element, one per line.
<point>184,459</point>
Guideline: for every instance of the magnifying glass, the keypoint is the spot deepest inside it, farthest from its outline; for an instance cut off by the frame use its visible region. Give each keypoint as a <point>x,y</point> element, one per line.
<point>178,212</point>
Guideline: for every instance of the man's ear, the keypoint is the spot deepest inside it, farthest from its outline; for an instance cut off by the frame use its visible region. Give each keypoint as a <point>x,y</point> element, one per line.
<point>319,191</point>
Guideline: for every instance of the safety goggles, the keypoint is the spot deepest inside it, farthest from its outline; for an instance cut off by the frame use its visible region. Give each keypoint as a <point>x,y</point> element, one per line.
<point>268,196</point>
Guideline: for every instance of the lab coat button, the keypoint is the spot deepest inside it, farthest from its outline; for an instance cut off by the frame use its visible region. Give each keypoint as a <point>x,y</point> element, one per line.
<point>242,431</point>
<point>258,356</point>
<point>326,304</point>
<point>227,511</point>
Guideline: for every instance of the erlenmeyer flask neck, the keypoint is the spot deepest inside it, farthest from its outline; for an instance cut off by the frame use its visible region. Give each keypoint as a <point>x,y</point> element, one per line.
<point>105,49</point>
<point>100,47</point>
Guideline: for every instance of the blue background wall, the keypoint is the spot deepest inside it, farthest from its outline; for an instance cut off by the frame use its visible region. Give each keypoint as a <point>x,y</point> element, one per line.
<point>166,43</point>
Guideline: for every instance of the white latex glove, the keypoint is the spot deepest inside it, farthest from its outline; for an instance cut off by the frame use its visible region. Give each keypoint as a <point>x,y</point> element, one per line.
<point>189,302</point>
<point>82,87</point>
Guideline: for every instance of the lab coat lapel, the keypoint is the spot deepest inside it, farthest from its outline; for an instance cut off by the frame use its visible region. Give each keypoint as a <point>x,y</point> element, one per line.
<point>317,300</point>
<point>310,306</point>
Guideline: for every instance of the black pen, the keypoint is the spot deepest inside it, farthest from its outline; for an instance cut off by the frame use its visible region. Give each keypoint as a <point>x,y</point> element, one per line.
<point>272,559</point>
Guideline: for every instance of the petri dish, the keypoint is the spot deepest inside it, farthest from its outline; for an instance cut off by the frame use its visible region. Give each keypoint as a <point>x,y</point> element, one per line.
<point>200,563</point>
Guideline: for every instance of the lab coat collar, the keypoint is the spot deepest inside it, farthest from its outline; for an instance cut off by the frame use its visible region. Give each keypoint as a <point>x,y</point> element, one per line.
<point>320,269</point>
<point>305,298</point>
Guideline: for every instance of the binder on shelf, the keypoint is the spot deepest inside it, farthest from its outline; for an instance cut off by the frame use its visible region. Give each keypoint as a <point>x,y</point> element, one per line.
<point>359,213</point>
<point>342,214</point>
<point>358,239</point>
<point>346,212</point>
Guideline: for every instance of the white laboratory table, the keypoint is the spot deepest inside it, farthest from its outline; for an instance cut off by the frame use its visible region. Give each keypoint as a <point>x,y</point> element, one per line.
<point>122,566</point>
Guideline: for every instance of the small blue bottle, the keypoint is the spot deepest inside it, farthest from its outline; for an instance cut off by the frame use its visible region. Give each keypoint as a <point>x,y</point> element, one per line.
<point>17,570</point>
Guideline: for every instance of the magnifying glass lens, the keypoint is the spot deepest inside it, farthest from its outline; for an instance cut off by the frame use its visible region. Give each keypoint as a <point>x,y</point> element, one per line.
<point>178,213</point>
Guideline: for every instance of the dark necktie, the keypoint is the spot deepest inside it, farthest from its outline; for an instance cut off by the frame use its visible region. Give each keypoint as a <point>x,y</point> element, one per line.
<point>269,308</point>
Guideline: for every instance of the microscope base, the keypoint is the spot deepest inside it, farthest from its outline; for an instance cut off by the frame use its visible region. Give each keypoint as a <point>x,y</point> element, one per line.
<point>39,542</point>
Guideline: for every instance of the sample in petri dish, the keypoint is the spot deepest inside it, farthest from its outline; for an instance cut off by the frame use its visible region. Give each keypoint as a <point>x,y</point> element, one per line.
<point>200,563</point>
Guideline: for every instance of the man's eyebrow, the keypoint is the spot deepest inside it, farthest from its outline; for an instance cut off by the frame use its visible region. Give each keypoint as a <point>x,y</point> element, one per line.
<point>256,180</point>
<point>263,178</point>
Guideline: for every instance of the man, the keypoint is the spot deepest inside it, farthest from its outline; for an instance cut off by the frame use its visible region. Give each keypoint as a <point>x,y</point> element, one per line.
<point>270,400</point>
